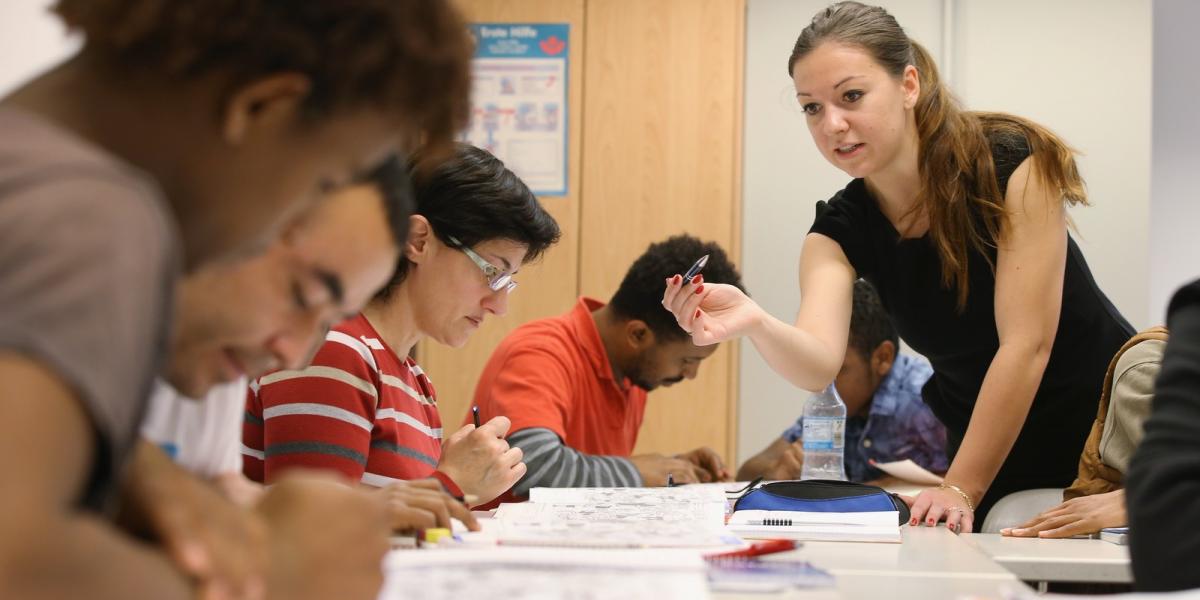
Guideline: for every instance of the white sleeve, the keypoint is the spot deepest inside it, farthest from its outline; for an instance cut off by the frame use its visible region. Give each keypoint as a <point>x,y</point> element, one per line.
<point>225,454</point>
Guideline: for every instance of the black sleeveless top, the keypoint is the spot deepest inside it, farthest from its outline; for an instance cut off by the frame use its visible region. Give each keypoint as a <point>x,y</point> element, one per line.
<point>961,345</point>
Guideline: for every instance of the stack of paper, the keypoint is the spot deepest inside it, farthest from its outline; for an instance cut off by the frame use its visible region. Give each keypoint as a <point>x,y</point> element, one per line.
<point>699,493</point>
<point>680,517</point>
<point>816,526</point>
<point>1115,535</point>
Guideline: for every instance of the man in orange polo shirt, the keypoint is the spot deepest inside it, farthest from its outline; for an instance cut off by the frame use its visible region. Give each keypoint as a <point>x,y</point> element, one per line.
<point>574,386</point>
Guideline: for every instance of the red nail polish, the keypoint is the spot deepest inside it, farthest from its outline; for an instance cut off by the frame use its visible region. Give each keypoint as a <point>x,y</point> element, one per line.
<point>929,522</point>
<point>912,521</point>
<point>700,288</point>
<point>696,279</point>
<point>697,314</point>
<point>677,278</point>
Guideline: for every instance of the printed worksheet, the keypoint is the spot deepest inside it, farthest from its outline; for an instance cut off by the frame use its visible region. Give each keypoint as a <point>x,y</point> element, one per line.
<point>614,525</point>
<point>691,516</point>
<point>541,573</point>
<point>683,494</point>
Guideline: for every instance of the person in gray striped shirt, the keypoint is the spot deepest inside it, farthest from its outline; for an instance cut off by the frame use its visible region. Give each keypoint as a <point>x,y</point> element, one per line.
<point>575,386</point>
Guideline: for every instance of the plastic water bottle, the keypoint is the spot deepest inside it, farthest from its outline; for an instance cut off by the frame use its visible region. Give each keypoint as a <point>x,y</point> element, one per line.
<point>824,436</point>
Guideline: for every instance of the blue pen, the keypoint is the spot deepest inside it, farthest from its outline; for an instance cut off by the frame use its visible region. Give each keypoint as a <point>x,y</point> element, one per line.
<point>695,268</point>
<point>475,415</point>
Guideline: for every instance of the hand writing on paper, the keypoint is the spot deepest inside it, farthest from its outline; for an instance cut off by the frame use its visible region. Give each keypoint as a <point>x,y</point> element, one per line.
<point>712,468</point>
<point>480,461</point>
<point>423,504</point>
<point>655,467</point>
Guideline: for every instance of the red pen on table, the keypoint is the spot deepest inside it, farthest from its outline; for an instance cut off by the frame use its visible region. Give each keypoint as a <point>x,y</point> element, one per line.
<point>757,549</point>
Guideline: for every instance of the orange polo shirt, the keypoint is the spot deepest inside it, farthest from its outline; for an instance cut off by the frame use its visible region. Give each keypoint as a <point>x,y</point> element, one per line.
<point>554,374</point>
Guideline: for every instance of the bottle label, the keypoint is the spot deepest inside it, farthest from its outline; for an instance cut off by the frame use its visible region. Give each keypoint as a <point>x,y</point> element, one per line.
<point>824,433</point>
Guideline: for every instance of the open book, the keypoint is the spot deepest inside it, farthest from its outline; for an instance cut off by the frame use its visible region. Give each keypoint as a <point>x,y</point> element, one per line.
<point>816,526</point>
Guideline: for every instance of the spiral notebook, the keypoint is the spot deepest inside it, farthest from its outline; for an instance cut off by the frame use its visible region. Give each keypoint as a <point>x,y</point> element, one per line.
<point>818,527</point>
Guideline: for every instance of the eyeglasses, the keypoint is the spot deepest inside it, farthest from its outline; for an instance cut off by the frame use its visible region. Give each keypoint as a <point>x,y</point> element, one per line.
<point>497,279</point>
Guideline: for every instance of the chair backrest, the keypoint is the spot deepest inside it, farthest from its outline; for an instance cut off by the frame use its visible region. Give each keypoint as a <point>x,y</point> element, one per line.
<point>1019,507</point>
<point>1129,404</point>
<point>1133,387</point>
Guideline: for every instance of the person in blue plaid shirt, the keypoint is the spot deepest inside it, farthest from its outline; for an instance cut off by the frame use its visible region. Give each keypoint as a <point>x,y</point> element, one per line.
<point>886,420</point>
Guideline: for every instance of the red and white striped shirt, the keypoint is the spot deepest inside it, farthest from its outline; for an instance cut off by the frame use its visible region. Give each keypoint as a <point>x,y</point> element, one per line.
<point>358,409</point>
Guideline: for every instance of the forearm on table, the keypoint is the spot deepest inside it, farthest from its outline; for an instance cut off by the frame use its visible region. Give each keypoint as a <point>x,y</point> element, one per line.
<point>1000,411</point>
<point>550,463</point>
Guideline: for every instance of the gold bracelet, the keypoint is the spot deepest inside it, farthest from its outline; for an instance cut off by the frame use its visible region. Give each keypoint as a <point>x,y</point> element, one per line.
<point>955,488</point>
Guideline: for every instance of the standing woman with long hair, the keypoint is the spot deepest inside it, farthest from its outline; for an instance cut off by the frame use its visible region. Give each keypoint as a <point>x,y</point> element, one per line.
<point>959,221</point>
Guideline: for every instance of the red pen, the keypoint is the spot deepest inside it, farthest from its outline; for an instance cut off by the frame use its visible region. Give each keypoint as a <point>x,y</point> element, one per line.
<point>757,549</point>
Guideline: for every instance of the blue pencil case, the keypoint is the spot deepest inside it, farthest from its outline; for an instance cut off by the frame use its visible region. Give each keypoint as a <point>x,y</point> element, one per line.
<point>822,495</point>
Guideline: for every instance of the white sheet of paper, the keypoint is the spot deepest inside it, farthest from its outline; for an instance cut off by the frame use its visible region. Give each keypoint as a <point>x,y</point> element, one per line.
<point>614,525</point>
<point>651,560</point>
<point>542,573</point>
<point>909,471</point>
<point>659,496</point>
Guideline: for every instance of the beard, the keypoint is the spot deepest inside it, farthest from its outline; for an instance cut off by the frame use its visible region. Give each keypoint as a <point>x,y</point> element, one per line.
<point>637,376</point>
<point>639,380</point>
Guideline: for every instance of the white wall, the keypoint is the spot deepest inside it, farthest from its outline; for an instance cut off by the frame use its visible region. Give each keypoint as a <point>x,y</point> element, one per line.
<point>1056,62</point>
<point>31,40</point>
<point>1083,69</point>
<point>1174,203</point>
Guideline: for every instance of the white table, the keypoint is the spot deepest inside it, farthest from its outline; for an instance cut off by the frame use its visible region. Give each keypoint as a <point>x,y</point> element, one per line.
<point>1062,560</point>
<point>930,563</point>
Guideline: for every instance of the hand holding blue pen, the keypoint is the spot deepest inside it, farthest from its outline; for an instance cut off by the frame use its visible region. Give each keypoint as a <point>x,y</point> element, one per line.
<point>696,267</point>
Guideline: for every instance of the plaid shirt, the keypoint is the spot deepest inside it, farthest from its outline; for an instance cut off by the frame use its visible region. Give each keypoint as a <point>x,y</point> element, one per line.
<point>898,426</point>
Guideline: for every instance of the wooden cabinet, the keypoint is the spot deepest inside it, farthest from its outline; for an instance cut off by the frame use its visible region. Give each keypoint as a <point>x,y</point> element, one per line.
<point>655,117</point>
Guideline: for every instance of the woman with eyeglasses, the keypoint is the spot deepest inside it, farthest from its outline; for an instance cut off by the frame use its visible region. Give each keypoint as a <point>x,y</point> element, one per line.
<point>363,407</point>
